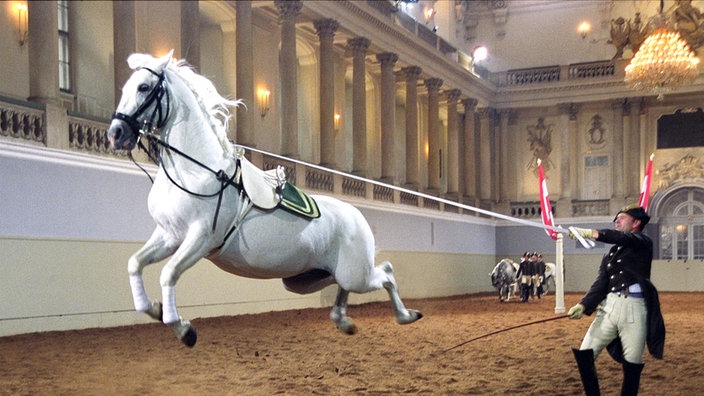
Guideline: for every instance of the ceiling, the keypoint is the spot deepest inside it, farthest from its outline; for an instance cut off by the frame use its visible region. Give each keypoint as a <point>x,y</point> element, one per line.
<point>519,34</point>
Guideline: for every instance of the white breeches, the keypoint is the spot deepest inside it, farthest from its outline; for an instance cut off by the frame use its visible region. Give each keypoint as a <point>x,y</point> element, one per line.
<point>619,316</point>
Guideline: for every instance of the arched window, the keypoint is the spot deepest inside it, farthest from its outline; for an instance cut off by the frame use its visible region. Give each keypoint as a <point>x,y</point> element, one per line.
<point>682,225</point>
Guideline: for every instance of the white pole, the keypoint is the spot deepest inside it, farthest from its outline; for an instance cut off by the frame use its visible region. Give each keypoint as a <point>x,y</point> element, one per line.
<point>559,276</point>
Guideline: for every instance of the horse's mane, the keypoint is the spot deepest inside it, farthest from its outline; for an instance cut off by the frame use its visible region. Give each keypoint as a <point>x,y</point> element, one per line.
<point>212,103</point>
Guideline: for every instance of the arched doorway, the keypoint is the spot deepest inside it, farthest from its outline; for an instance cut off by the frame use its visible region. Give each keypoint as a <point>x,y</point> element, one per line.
<point>681,225</point>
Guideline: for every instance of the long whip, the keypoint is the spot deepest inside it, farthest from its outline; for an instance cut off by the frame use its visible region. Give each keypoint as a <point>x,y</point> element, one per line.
<point>504,330</point>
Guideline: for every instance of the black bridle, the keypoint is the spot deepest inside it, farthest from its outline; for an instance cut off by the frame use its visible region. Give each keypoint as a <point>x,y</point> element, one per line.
<point>148,130</point>
<point>157,93</point>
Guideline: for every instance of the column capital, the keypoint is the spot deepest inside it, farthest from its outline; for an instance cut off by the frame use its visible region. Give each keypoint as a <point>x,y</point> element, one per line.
<point>411,72</point>
<point>618,104</point>
<point>469,104</point>
<point>433,84</point>
<point>627,107</point>
<point>326,28</point>
<point>636,104</point>
<point>288,9</point>
<point>642,106</point>
<point>453,94</point>
<point>387,58</point>
<point>571,109</point>
<point>359,44</point>
<point>485,112</point>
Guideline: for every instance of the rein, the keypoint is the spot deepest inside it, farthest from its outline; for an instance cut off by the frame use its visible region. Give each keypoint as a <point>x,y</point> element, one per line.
<point>220,175</point>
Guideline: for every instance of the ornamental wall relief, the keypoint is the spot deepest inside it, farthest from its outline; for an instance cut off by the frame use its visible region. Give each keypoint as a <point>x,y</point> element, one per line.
<point>688,168</point>
<point>596,133</point>
<point>540,139</point>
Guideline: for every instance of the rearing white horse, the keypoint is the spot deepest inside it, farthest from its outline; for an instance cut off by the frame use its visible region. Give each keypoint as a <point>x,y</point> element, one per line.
<point>201,211</point>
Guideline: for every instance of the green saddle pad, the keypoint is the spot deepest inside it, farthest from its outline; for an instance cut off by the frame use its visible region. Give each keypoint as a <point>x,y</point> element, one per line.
<point>298,202</point>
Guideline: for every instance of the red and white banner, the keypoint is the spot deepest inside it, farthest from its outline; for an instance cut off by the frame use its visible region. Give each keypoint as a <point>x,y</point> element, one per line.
<point>645,190</point>
<point>545,207</point>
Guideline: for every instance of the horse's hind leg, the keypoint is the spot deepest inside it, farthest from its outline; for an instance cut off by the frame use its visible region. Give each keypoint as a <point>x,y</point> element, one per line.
<point>339,313</point>
<point>403,315</point>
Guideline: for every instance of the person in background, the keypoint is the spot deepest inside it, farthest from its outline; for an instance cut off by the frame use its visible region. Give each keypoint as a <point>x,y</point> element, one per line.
<point>533,274</point>
<point>625,300</point>
<point>539,274</point>
<point>523,275</point>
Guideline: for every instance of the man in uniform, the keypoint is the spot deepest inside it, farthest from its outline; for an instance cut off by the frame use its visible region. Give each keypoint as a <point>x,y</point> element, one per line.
<point>523,275</point>
<point>626,302</point>
<point>539,274</point>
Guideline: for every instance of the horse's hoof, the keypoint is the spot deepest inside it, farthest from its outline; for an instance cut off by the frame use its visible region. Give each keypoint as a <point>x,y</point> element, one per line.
<point>190,338</point>
<point>347,326</point>
<point>412,316</point>
<point>185,332</point>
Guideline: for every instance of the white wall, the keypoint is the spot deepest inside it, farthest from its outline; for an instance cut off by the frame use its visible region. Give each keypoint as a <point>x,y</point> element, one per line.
<point>69,222</point>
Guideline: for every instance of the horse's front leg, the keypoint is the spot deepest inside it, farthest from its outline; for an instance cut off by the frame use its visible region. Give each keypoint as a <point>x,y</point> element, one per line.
<point>157,248</point>
<point>194,247</point>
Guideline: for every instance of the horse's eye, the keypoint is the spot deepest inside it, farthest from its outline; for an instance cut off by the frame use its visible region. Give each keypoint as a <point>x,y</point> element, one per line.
<point>143,88</point>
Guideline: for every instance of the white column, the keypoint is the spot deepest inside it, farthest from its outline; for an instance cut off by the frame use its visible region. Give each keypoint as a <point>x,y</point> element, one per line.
<point>413,147</point>
<point>470,152</point>
<point>434,155</point>
<point>288,67</point>
<point>359,47</point>
<point>559,275</point>
<point>190,32</point>
<point>388,116</point>
<point>453,144</point>
<point>326,31</point>
<point>245,73</point>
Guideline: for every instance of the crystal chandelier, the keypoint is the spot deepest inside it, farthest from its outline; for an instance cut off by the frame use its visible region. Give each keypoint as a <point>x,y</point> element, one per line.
<point>663,62</point>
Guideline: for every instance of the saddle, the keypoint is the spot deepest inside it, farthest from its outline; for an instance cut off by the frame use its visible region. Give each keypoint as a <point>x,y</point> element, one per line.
<point>269,189</point>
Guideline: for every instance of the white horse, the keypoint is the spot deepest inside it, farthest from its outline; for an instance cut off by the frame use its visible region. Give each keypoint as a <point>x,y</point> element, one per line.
<point>503,278</point>
<point>549,277</point>
<point>202,211</point>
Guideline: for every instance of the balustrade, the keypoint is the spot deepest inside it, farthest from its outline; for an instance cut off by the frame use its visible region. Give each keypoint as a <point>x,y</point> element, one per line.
<point>22,122</point>
<point>25,122</point>
<point>86,135</point>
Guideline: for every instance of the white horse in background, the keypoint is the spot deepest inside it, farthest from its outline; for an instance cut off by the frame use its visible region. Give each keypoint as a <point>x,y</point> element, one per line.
<point>503,278</point>
<point>549,277</point>
<point>202,210</point>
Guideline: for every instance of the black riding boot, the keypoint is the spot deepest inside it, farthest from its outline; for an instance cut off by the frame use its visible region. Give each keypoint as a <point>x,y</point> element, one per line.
<point>585,363</point>
<point>631,378</point>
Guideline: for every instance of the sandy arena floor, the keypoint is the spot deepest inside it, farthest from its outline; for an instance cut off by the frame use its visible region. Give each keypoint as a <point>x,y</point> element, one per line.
<point>300,352</point>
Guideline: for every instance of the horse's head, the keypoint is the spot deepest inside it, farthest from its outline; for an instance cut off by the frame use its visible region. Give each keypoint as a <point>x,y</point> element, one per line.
<point>144,101</point>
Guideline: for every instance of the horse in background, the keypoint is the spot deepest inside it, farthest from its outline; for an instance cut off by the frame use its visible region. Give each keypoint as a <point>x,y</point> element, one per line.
<point>203,209</point>
<point>549,277</point>
<point>503,278</point>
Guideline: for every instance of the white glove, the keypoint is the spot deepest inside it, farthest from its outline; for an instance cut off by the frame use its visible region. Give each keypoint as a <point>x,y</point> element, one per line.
<point>585,233</point>
<point>576,311</point>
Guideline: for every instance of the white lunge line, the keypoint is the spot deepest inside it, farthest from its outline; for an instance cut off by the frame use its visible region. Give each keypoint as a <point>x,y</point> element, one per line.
<point>420,194</point>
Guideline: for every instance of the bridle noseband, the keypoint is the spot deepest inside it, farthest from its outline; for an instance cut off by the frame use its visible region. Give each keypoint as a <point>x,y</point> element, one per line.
<point>157,93</point>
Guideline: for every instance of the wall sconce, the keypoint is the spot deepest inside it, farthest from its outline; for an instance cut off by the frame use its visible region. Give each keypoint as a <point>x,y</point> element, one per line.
<point>428,13</point>
<point>22,23</point>
<point>336,121</point>
<point>584,28</point>
<point>263,99</point>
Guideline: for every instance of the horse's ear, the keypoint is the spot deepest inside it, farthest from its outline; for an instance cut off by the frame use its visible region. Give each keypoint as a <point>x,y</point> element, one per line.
<point>164,60</point>
<point>138,60</point>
